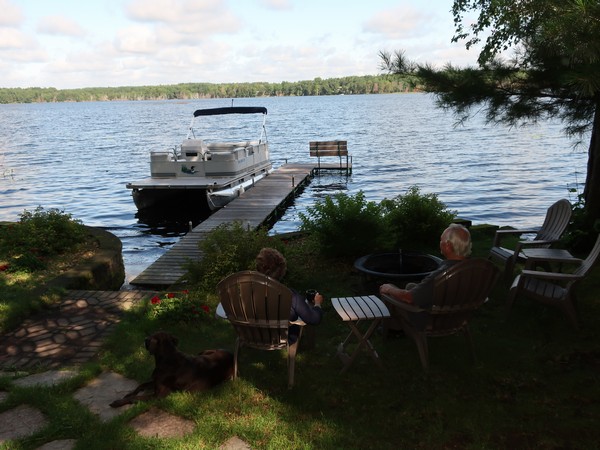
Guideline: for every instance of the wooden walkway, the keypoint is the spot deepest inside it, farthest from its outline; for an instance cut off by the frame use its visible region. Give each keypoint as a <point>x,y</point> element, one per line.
<point>261,205</point>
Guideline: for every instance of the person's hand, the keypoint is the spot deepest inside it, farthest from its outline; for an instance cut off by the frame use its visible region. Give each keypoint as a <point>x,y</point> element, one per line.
<point>319,299</point>
<point>385,289</point>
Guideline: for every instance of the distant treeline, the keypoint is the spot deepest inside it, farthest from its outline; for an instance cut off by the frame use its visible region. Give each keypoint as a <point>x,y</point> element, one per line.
<point>377,84</point>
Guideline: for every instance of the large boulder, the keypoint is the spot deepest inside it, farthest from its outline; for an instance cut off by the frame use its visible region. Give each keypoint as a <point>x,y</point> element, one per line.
<point>105,271</point>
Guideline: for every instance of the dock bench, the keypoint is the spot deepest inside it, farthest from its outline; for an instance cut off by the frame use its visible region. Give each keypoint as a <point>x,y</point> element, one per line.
<point>322,149</point>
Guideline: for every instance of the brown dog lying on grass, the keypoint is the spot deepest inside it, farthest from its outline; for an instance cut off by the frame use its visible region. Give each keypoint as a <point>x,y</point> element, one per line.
<point>176,371</point>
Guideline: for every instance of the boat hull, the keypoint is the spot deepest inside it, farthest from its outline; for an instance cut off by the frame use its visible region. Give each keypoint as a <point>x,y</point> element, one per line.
<point>167,194</point>
<point>147,198</point>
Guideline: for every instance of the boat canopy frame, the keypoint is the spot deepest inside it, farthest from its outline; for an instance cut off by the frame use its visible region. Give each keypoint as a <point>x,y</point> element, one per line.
<point>231,110</point>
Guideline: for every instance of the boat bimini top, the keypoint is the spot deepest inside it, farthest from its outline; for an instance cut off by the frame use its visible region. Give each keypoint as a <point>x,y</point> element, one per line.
<point>231,110</point>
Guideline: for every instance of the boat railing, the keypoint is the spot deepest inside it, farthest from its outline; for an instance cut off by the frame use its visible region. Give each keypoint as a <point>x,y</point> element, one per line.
<point>230,146</point>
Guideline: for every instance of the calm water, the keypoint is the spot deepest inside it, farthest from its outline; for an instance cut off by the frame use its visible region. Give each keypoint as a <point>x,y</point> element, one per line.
<point>78,157</point>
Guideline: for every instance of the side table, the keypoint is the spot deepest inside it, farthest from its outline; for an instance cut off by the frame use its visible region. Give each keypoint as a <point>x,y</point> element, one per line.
<point>548,255</point>
<point>354,310</point>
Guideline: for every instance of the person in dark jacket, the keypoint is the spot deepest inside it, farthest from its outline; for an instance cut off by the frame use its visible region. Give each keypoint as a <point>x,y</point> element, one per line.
<point>272,263</point>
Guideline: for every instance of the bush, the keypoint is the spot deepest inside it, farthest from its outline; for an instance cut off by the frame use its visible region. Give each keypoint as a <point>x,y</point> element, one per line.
<point>227,249</point>
<point>416,220</point>
<point>583,229</point>
<point>345,225</point>
<point>178,307</point>
<point>37,235</point>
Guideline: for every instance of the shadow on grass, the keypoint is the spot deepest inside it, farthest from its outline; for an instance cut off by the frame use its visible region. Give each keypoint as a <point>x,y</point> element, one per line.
<point>534,385</point>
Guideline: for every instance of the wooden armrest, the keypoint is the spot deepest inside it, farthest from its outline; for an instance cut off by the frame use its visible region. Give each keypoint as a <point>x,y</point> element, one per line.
<point>501,233</point>
<point>538,242</point>
<point>400,304</point>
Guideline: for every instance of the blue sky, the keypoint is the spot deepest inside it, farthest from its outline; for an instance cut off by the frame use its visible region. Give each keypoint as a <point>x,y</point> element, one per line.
<point>75,43</point>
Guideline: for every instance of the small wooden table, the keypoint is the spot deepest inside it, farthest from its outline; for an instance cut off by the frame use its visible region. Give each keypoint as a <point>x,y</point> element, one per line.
<point>541,255</point>
<point>354,310</point>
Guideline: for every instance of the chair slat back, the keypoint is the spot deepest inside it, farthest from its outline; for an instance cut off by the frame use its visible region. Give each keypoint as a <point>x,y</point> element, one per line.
<point>258,307</point>
<point>458,292</point>
<point>556,221</point>
<point>588,262</point>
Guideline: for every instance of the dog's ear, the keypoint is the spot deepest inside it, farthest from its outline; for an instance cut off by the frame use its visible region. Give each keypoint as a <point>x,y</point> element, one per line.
<point>174,341</point>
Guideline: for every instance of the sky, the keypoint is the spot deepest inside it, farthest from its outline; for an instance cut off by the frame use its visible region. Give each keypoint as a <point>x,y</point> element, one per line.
<point>105,43</point>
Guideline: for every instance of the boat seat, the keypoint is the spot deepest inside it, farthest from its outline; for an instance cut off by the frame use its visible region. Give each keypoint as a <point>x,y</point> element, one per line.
<point>193,149</point>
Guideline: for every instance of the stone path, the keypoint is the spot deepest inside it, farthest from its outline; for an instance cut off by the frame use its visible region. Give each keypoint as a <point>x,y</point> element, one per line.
<point>69,334</point>
<point>59,342</point>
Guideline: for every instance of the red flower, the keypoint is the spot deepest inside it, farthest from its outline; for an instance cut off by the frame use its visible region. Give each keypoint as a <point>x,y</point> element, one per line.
<point>155,300</point>
<point>170,295</point>
<point>3,267</point>
<point>185,292</point>
<point>206,309</point>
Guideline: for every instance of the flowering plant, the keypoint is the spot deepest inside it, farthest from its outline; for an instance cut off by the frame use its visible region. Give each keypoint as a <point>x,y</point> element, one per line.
<point>177,307</point>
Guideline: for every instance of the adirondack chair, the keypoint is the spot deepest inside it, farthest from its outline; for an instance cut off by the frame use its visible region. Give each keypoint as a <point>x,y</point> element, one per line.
<point>555,223</point>
<point>554,288</point>
<point>458,292</point>
<point>259,307</point>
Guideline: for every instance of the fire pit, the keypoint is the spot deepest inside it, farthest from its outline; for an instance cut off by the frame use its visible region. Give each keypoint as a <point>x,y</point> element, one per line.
<point>398,268</point>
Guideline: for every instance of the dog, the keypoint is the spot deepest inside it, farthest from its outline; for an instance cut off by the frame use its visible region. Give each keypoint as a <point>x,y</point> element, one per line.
<point>176,371</point>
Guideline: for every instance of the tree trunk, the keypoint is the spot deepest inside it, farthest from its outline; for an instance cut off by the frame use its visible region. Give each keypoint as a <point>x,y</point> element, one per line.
<point>591,192</point>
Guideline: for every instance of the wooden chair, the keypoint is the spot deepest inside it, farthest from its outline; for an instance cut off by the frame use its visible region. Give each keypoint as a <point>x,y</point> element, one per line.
<point>259,307</point>
<point>554,288</point>
<point>555,223</point>
<point>457,293</point>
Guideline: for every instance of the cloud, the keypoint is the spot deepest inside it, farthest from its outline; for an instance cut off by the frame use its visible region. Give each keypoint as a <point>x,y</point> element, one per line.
<point>11,14</point>
<point>171,23</point>
<point>278,5</point>
<point>60,26</point>
<point>136,39</point>
<point>14,39</point>
<point>403,22</point>
<point>186,16</point>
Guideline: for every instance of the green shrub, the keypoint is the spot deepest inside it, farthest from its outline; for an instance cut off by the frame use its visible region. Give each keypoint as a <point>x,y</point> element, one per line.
<point>227,249</point>
<point>345,225</point>
<point>416,220</point>
<point>37,235</point>
<point>178,307</point>
<point>583,228</point>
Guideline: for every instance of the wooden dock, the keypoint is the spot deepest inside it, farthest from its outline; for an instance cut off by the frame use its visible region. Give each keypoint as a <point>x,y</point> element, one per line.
<point>261,205</point>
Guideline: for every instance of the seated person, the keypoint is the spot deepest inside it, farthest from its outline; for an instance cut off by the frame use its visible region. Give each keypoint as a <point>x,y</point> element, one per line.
<point>273,264</point>
<point>455,246</point>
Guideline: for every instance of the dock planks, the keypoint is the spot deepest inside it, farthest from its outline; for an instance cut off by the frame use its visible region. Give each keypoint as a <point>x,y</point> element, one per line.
<point>258,206</point>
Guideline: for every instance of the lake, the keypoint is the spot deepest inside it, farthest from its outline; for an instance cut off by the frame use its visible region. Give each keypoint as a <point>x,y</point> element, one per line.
<point>78,157</point>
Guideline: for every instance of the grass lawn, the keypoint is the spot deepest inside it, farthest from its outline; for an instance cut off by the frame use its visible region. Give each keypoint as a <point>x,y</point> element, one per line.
<point>535,384</point>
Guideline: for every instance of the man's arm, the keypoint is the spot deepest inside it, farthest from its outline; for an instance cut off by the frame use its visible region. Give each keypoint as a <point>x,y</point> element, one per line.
<point>397,293</point>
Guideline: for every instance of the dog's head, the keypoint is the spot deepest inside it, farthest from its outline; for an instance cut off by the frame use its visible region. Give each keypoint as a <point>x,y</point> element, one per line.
<point>161,343</point>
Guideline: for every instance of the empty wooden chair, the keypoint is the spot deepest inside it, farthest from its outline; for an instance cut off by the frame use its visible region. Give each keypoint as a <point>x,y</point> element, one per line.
<point>554,288</point>
<point>555,223</point>
<point>259,307</point>
<point>458,292</point>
